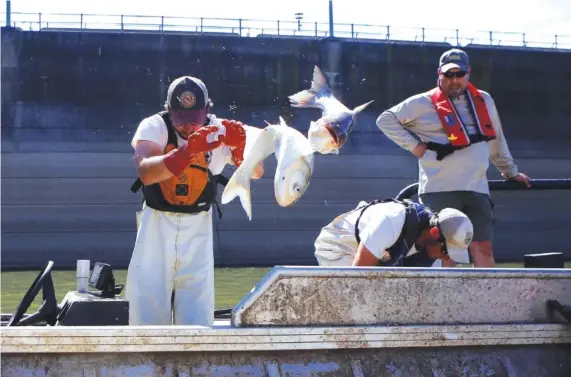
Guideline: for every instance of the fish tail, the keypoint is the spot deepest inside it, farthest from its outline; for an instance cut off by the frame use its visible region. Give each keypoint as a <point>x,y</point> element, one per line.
<point>319,82</point>
<point>362,107</point>
<point>239,186</point>
<point>308,97</point>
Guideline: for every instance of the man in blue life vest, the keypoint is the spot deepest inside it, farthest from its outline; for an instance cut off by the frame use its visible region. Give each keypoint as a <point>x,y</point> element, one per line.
<point>458,131</point>
<point>395,233</point>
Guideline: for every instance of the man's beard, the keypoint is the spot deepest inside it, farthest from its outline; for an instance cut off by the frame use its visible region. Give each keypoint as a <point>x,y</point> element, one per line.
<point>455,92</point>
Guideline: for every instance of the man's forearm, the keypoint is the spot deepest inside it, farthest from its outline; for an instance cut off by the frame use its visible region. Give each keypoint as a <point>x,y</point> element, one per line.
<point>393,129</point>
<point>502,158</point>
<point>153,170</point>
<point>499,152</point>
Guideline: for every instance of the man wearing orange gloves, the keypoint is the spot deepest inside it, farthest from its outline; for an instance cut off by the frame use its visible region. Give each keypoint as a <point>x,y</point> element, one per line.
<point>179,153</point>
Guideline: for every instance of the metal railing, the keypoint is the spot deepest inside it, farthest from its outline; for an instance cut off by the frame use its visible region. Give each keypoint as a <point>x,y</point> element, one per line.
<point>504,185</point>
<point>252,28</point>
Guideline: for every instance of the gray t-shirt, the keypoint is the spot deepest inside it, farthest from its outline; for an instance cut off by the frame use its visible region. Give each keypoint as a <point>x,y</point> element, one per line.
<point>416,118</point>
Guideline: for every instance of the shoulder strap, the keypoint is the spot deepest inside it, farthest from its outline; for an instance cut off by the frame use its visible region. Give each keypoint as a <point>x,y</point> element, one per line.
<point>170,128</point>
<point>363,208</point>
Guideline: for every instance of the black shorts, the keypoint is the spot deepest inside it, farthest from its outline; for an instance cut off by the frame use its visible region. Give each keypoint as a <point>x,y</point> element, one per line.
<point>477,206</point>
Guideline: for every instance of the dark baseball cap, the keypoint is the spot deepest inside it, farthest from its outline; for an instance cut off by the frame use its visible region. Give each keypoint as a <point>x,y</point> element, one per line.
<point>454,58</point>
<point>187,100</point>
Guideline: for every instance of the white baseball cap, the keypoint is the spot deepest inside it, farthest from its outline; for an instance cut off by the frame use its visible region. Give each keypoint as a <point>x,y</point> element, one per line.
<point>457,230</point>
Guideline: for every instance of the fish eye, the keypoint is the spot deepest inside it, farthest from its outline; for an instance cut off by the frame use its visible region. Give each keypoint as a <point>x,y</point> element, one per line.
<point>283,178</point>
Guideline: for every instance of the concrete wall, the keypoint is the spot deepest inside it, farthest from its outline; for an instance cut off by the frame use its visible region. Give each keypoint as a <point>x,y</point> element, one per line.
<point>71,101</point>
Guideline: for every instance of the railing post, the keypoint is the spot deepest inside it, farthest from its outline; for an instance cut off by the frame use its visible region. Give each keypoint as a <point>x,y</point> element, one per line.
<point>330,19</point>
<point>8,13</point>
<point>121,22</point>
<point>457,37</point>
<point>278,27</point>
<point>491,38</point>
<point>388,32</point>
<point>423,35</point>
<point>201,24</point>
<point>81,21</point>
<point>240,26</point>
<point>316,32</point>
<point>352,31</point>
<point>523,35</point>
<point>39,21</point>
<point>162,23</point>
<point>555,40</point>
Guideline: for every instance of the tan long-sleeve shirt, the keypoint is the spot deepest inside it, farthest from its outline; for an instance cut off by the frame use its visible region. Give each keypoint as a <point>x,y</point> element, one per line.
<point>416,118</point>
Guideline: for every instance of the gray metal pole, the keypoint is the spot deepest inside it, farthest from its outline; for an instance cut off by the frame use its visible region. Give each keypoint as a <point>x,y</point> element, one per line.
<point>8,14</point>
<point>330,18</point>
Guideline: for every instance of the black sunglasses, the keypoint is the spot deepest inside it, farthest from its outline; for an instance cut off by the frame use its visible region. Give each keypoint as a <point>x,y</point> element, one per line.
<point>455,74</point>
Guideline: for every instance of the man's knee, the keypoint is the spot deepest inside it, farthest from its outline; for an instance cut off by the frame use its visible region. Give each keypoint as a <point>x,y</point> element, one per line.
<point>481,248</point>
<point>480,209</point>
<point>484,247</point>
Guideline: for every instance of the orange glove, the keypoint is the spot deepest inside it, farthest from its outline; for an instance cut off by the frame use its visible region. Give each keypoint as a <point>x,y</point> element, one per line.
<point>177,160</point>
<point>198,141</point>
<point>237,155</point>
<point>235,138</point>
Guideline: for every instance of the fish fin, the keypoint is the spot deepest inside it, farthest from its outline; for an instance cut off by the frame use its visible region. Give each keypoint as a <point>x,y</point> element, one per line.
<point>283,123</point>
<point>239,186</point>
<point>308,97</point>
<point>305,98</point>
<point>239,183</point>
<point>358,109</point>
<point>319,82</point>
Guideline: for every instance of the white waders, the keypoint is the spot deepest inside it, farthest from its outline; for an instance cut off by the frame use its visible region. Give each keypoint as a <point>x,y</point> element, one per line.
<point>173,253</point>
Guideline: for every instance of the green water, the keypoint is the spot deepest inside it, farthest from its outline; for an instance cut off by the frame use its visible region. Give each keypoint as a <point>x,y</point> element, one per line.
<point>231,284</point>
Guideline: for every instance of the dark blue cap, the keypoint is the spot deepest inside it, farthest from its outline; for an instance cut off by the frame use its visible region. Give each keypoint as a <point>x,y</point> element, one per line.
<point>454,58</point>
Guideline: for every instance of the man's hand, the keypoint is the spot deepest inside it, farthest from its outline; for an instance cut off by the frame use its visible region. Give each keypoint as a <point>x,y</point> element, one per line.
<point>419,150</point>
<point>520,177</point>
<point>198,142</point>
<point>237,156</point>
<point>201,141</point>
<point>235,138</point>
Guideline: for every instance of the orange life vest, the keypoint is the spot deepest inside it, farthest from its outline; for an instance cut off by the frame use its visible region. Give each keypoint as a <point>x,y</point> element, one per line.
<point>451,122</point>
<point>193,191</point>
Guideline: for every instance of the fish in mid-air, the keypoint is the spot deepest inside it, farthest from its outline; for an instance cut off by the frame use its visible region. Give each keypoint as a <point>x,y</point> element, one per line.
<point>294,157</point>
<point>331,131</point>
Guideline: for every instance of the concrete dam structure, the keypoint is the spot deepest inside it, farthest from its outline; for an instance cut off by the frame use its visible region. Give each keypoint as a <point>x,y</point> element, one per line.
<point>71,102</point>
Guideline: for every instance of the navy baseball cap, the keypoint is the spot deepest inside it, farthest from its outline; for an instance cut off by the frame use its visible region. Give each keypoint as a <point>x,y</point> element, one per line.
<point>187,100</point>
<point>454,58</point>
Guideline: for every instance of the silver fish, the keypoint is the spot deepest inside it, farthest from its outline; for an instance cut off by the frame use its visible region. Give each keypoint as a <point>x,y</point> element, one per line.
<point>331,131</point>
<point>293,173</point>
